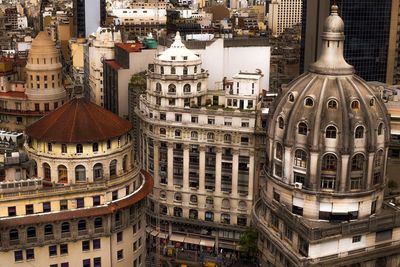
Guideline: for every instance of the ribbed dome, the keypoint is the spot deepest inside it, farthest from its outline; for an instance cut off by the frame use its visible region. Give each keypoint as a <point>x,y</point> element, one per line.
<point>79,121</point>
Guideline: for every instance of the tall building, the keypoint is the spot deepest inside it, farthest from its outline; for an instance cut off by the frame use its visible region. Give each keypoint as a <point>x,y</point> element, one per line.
<point>323,203</point>
<point>372,38</point>
<point>201,146</point>
<point>88,15</point>
<point>22,103</point>
<point>283,14</point>
<point>80,198</point>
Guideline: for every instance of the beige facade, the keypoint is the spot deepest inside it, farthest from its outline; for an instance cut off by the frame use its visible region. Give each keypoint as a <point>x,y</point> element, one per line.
<point>283,14</point>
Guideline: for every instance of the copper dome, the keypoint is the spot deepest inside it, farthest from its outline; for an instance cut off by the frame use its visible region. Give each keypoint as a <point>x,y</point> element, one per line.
<point>79,121</point>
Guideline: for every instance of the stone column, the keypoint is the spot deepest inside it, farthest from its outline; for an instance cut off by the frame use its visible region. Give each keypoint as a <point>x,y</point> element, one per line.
<point>370,169</point>
<point>343,178</point>
<point>251,174</point>
<point>202,165</point>
<point>156,163</point>
<point>235,172</point>
<point>185,167</point>
<point>170,164</point>
<point>218,160</point>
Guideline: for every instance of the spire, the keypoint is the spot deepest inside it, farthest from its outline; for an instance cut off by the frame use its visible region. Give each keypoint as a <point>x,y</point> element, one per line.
<point>331,59</point>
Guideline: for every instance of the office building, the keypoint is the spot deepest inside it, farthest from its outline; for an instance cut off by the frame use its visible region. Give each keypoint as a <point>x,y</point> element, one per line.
<point>283,14</point>
<point>88,16</point>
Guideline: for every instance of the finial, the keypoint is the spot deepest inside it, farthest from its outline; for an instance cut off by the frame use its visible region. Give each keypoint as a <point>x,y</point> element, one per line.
<point>334,9</point>
<point>178,36</point>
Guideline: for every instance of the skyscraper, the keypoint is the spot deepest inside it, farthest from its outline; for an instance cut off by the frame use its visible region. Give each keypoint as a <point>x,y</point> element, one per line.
<point>88,16</point>
<point>371,35</point>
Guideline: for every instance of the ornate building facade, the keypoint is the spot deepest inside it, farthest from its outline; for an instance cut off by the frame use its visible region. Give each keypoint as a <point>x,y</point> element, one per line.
<point>200,145</point>
<point>323,202</point>
<point>82,200</point>
<point>21,103</point>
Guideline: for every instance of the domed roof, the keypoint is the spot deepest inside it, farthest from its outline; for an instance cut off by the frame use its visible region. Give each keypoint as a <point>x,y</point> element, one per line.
<point>334,23</point>
<point>178,51</point>
<point>78,121</point>
<point>42,41</point>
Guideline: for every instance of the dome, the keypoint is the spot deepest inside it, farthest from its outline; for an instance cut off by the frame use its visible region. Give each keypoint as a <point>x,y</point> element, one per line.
<point>334,23</point>
<point>178,52</point>
<point>78,121</point>
<point>329,126</point>
<point>42,42</point>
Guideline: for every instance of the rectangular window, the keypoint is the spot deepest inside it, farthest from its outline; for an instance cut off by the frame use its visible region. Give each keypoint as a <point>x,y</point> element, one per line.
<point>288,233</point>
<point>297,210</point>
<point>65,264</point>
<point>55,105</point>
<point>119,236</point>
<point>96,243</point>
<point>244,140</point>
<point>178,117</point>
<point>46,207</point>
<point>245,124</point>
<point>63,204</point>
<point>30,254</point>
<point>85,245</point>
<point>63,249</point>
<point>12,211</point>
<point>46,106</point>
<point>37,107</point>
<point>52,250</point>
<point>211,120</point>
<point>96,200</point>
<point>97,262</point>
<point>356,238</point>
<point>171,102</point>
<point>195,119</point>
<point>18,255</point>
<point>163,116</point>
<point>277,196</point>
<point>355,183</point>
<point>328,182</point>
<point>120,254</point>
<point>63,148</point>
<point>29,209</point>
<point>80,202</point>
<point>383,235</point>
<point>86,263</point>
<point>115,195</point>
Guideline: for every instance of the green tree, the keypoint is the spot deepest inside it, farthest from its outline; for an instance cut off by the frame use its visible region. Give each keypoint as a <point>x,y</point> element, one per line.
<point>248,242</point>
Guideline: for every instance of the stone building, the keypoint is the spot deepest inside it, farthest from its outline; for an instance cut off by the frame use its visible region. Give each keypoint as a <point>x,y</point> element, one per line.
<point>22,103</point>
<point>323,202</point>
<point>201,146</point>
<point>84,201</point>
<point>283,14</point>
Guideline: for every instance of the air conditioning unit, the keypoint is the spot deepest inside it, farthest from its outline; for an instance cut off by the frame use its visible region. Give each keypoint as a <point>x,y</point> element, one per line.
<point>298,185</point>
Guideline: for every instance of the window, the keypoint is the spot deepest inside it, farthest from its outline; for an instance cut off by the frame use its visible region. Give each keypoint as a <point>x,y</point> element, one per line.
<point>300,158</point>
<point>120,254</point>
<point>49,147</point>
<point>163,131</point>
<point>162,70</point>
<point>80,173</point>
<point>52,250</point>
<point>96,243</point>
<point>86,263</point>
<point>211,120</point>
<point>63,204</point>
<point>210,137</point>
<point>46,207</point>
<point>328,182</point>
<point>332,104</point>
<point>172,88</point>
<point>113,167</point>
<point>46,105</point>
<point>18,255</point>
<point>31,232</point>
<point>330,132</point>
<point>119,236</point>
<point>98,171</point>
<point>64,264</point>
<point>193,199</point>
<point>12,211</point>
<point>359,132</point>
<point>96,200</point>
<point>291,97</point>
<point>65,227</point>
<point>79,148</point>
<point>85,245</point>
<point>48,229</point>
<point>209,216</point>
<point>378,159</point>
<point>158,87</point>
<point>383,235</point>
<point>80,202</point>
<point>30,254</point>
<point>357,162</point>
<point>288,233</point>
<point>95,147</point>
<point>186,88</point>
<point>302,128</point>
<point>329,162</point>
<point>194,135</point>
<point>63,148</point>
<point>98,222</point>
<point>309,102</point>
<point>281,123</point>
<point>114,195</point>
<point>380,128</point>
<point>279,151</point>
<point>62,174</point>
<point>195,119</point>
<point>227,138</point>
<point>355,183</point>
<point>244,140</point>
<point>108,144</point>
<point>97,262</point>
<point>355,105</point>
<point>177,133</point>
<point>199,87</point>
<point>81,225</point>
<point>372,102</point>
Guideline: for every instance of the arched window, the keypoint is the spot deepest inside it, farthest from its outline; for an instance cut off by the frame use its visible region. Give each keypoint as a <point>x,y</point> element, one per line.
<point>13,234</point>
<point>194,135</point>
<point>65,228</point>
<point>300,158</point>
<point>332,104</point>
<point>79,148</point>
<point>158,87</point>
<point>173,71</point>
<point>186,88</point>
<point>163,194</point>
<point>372,102</point>
<point>242,205</point>
<point>359,132</point>
<point>329,163</point>
<point>291,97</point>
<point>227,138</point>
<point>98,171</point>
<point>163,131</point>
<point>198,87</point>
<point>309,102</point>
<point>113,167</point>
<point>378,159</point>
<point>330,132</point>
<point>380,128</point>
<point>355,104</point>
<point>125,163</point>
<point>46,172</point>
<point>193,214</point>
<point>80,173</point>
<point>95,147</point>
<point>225,218</point>
<point>210,137</point>
<point>177,212</point>
<point>226,204</point>
<point>48,229</point>
<point>281,123</point>
<point>209,201</point>
<point>31,232</point>
<point>81,225</point>
<point>163,210</point>
<point>302,128</point>
<point>195,69</point>
<point>279,151</point>
<point>357,162</point>
<point>185,71</point>
<point>178,197</point>
<point>98,222</point>
<point>62,174</point>
<point>162,70</point>
<point>193,198</point>
<point>209,216</point>
<point>172,88</point>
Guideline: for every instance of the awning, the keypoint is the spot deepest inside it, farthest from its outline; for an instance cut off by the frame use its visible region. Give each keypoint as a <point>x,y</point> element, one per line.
<point>227,245</point>
<point>192,240</point>
<point>207,243</point>
<point>154,233</point>
<point>177,238</point>
<point>298,202</point>
<point>163,235</point>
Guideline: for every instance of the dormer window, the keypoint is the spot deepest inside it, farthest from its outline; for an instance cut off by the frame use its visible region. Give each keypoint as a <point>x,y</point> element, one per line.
<point>172,58</point>
<point>372,102</point>
<point>355,105</point>
<point>302,128</point>
<point>281,123</point>
<point>332,104</point>
<point>331,132</point>
<point>309,102</point>
<point>79,148</point>
<point>185,58</point>
<point>359,132</point>
<point>291,98</point>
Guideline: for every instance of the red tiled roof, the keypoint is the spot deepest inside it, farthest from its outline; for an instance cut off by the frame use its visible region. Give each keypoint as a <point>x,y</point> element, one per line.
<point>113,64</point>
<point>83,213</point>
<point>78,121</point>
<point>13,94</point>
<point>130,47</point>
